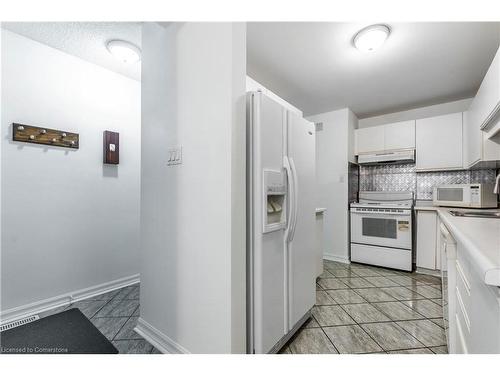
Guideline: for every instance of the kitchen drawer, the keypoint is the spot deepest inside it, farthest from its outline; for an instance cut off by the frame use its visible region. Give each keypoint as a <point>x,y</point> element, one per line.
<point>460,343</point>
<point>463,318</point>
<point>464,265</point>
<point>463,286</point>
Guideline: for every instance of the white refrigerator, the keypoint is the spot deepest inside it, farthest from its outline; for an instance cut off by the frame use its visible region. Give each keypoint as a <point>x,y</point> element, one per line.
<point>281,217</point>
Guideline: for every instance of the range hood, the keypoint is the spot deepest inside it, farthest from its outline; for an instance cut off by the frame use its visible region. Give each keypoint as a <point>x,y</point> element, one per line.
<point>396,157</point>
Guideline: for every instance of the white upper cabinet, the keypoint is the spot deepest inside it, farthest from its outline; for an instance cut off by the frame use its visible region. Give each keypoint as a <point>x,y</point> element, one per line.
<point>478,146</point>
<point>395,136</point>
<point>472,141</point>
<point>486,104</point>
<point>369,139</point>
<point>400,135</point>
<point>482,120</point>
<point>439,142</point>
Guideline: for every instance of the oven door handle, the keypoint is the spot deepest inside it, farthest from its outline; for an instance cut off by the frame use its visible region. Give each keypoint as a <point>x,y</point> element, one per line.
<point>368,213</point>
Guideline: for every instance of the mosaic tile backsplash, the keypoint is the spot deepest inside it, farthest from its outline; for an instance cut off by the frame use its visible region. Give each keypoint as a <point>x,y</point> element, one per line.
<point>403,177</point>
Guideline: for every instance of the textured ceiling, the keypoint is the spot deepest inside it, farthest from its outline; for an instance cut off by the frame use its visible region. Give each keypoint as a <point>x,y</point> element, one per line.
<point>315,67</point>
<point>86,40</point>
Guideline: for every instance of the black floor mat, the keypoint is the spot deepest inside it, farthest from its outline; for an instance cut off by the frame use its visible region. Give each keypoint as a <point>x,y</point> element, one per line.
<point>69,332</point>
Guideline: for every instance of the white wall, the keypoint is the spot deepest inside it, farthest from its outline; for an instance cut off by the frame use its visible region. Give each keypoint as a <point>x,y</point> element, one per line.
<point>193,215</point>
<point>1,184</point>
<point>352,125</point>
<point>68,221</point>
<point>417,113</point>
<point>334,149</point>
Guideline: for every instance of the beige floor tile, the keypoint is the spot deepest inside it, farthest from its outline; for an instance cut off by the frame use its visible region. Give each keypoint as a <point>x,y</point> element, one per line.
<point>391,337</point>
<point>311,341</point>
<point>332,284</point>
<point>402,294</point>
<point>425,331</point>
<point>365,313</point>
<point>440,349</point>
<point>381,281</point>
<point>397,310</point>
<point>374,295</point>
<point>356,282</point>
<point>351,340</point>
<point>426,308</point>
<point>322,298</point>
<point>345,296</point>
<point>331,316</point>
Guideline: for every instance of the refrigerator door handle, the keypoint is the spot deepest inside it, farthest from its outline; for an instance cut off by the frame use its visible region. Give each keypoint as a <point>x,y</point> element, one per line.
<point>295,196</point>
<point>291,193</point>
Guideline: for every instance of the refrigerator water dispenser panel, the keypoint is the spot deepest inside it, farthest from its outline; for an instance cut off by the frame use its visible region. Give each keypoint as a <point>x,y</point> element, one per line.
<point>274,200</point>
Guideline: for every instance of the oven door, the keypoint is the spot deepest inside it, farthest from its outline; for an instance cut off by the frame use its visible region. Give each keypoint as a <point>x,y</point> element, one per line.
<point>382,229</point>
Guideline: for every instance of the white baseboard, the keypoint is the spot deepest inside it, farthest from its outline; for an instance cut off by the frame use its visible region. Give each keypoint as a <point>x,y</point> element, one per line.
<point>426,271</point>
<point>336,258</point>
<point>37,307</point>
<point>158,339</point>
<point>105,287</point>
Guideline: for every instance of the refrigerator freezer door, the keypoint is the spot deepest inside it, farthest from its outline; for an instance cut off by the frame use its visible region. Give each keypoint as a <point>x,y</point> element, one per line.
<point>266,255</point>
<point>302,247</point>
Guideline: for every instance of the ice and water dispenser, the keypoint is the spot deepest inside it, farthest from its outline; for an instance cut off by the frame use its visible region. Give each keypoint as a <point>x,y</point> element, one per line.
<point>274,200</point>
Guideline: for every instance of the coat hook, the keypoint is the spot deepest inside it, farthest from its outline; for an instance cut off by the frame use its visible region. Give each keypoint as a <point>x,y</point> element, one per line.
<point>44,136</point>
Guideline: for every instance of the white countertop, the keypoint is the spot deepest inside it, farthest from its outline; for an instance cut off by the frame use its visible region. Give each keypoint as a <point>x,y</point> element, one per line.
<point>425,206</point>
<point>480,237</point>
<point>320,210</point>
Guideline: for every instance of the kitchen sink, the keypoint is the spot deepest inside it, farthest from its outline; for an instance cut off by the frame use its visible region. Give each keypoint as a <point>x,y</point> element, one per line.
<point>485,214</point>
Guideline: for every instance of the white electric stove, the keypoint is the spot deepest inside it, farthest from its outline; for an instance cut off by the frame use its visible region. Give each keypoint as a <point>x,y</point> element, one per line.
<point>381,229</point>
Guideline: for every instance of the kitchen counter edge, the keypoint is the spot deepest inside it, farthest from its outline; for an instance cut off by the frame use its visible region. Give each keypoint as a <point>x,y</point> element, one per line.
<point>490,271</point>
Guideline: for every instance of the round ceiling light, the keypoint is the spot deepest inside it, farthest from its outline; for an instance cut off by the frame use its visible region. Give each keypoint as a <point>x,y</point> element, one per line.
<point>124,51</point>
<point>372,37</point>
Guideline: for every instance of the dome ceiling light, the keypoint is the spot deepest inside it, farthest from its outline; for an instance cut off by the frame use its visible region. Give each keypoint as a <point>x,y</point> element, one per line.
<point>372,37</point>
<point>124,51</point>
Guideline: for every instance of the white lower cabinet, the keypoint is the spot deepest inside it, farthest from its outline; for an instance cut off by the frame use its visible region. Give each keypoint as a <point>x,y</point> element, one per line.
<point>472,308</point>
<point>427,249</point>
<point>448,251</point>
<point>482,306</point>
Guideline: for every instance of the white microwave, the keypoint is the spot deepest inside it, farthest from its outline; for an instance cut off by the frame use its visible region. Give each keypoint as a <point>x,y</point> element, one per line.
<point>465,195</point>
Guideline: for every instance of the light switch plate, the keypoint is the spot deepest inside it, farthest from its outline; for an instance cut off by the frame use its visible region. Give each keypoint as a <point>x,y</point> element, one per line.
<point>112,147</point>
<point>174,156</point>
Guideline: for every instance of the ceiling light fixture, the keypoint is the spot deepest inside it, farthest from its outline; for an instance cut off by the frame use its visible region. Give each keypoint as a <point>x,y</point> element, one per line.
<point>372,37</point>
<point>124,51</point>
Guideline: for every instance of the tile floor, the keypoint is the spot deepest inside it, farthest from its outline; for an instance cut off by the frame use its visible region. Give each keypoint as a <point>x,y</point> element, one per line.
<point>359,309</point>
<point>365,309</point>
<point>115,314</point>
